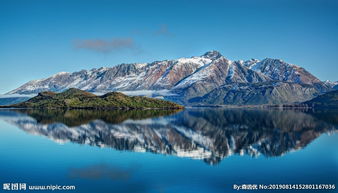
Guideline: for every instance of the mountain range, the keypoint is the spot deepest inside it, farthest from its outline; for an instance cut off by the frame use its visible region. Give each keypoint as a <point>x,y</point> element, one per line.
<point>207,79</point>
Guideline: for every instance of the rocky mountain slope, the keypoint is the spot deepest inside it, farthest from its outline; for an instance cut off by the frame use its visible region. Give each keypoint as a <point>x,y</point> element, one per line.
<point>207,79</point>
<point>328,100</point>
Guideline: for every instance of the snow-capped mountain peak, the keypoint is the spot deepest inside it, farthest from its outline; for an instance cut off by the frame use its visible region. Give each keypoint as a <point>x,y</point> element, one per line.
<point>213,54</point>
<point>332,84</point>
<point>278,70</point>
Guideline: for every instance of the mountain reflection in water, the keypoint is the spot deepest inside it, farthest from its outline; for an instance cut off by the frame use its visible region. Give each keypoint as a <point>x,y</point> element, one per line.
<point>198,133</point>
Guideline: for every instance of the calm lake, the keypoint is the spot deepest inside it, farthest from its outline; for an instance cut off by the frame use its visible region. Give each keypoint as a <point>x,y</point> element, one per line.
<point>194,150</point>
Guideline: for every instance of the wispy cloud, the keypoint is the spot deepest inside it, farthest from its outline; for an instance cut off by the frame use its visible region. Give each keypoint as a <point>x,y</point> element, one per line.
<point>163,31</point>
<point>107,46</point>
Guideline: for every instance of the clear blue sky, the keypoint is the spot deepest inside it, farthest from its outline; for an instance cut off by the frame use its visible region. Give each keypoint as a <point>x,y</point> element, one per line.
<point>41,37</point>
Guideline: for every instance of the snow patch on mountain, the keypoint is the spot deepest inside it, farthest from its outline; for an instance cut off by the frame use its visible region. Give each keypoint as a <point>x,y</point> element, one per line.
<point>231,71</point>
<point>200,74</point>
<point>201,61</point>
<point>332,84</point>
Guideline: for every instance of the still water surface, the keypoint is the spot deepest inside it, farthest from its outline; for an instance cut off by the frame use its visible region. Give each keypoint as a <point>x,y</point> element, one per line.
<point>195,150</point>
